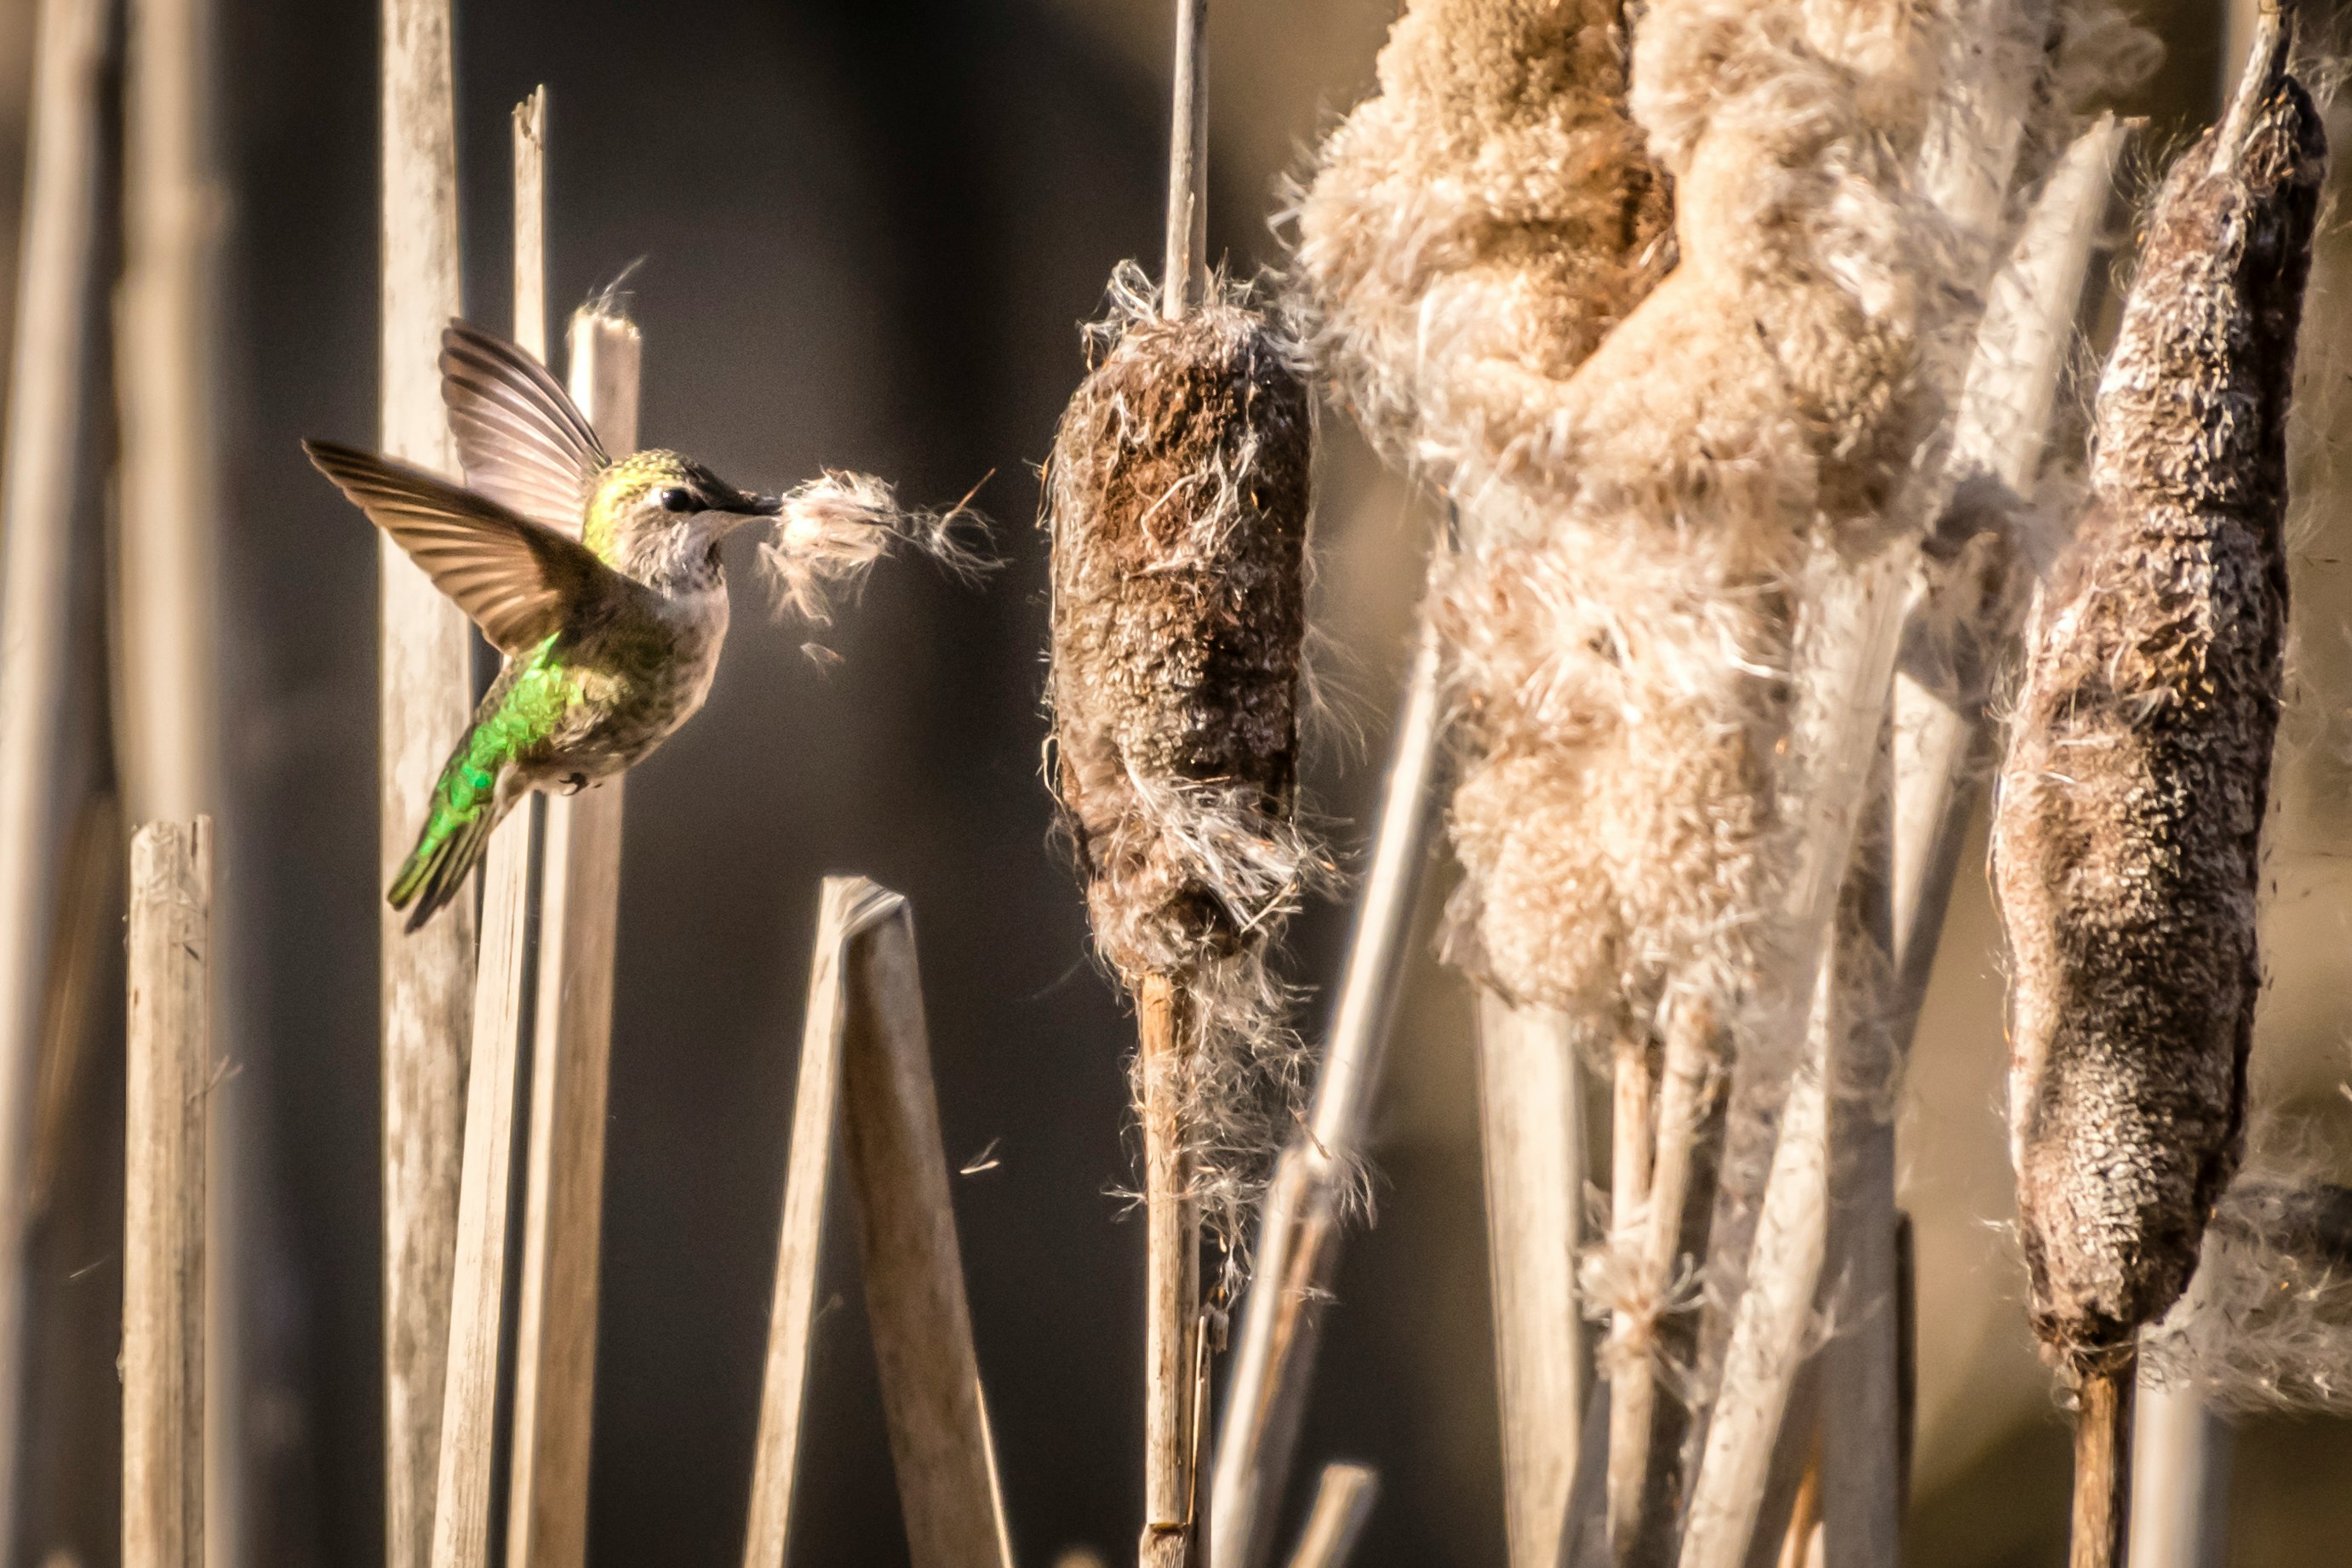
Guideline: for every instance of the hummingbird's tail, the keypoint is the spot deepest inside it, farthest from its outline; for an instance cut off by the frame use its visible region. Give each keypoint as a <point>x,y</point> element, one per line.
<point>436,869</point>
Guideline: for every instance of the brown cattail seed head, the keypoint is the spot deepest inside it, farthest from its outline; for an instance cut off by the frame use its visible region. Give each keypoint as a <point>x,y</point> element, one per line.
<point>1177,497</point>
<point>2125,835</point>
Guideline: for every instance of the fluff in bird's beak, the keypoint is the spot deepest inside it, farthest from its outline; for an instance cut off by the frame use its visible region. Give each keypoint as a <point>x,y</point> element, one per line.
<point>829,530</point>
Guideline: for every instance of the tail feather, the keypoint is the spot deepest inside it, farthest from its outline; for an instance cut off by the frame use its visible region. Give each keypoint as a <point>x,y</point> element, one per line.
<point>436,869</point>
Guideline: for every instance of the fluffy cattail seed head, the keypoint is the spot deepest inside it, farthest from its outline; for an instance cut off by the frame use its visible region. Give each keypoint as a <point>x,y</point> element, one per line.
<point>1177,497</point>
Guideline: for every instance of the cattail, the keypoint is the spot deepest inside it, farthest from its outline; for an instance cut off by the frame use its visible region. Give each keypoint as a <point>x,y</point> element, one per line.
<point>2130,807</point>
<point>1627,618</point>
<point>2266,1323</point>
<point>2126,829</point>
<point>1471,232</point>
<point>1177,497</point>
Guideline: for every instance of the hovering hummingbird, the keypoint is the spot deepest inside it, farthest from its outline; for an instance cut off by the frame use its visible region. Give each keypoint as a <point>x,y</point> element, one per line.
<point>597,578</point>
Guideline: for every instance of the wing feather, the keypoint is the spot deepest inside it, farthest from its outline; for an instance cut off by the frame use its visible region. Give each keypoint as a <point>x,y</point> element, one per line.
<point>516,578</point>
<point>520,439</point>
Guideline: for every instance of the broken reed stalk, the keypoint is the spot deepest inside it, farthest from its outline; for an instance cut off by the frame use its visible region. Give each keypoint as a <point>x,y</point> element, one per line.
<point>461,1509</point>
<point>572,1053</point>
<point>1298,1227</point>
<point>40,471</point>
<point>847,907</point>
<point>1343,1502</point>
<point>864,1066</point>
<point>2000,430</point>
<point>169,1077</point>
<point>2126,832</point>
<point>168,386</point>
<point>1530,1120</point>
<point>941,1445</point>
<point>425,697</point>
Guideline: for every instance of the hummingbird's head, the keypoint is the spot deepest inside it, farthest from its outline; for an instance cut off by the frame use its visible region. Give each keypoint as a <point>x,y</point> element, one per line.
<point>657,513</point>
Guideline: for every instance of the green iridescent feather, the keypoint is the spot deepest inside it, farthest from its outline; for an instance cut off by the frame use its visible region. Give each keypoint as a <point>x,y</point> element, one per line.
<point>520,713</point>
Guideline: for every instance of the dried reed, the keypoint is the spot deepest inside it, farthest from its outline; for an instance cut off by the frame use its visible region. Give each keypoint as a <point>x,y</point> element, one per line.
<point>163,1243</point>
<point>2126,829</point>
<point>424,699</point>
<point>462,1498</point>
<point>40,487</point>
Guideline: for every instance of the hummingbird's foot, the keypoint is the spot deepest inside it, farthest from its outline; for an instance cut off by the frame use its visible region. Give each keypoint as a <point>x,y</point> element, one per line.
<point>573,783</point>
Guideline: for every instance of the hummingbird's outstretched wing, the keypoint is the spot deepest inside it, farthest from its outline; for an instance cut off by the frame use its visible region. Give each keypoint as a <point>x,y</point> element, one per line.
<point>518,580</point>
<point>520,439</point>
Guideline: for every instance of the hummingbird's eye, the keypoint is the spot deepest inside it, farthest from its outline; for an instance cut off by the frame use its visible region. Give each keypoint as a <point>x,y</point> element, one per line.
<point>674,498</point>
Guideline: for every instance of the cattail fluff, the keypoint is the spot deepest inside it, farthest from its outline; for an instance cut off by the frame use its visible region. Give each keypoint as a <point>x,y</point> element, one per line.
<point>833,528</point>
<point>1177,499</point>
<point>2126,828</point>
<point>1472,230</point>
<point>1625,615</point>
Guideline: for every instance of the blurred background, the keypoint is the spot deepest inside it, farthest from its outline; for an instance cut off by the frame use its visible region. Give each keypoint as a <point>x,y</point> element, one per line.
<point>869,231</point>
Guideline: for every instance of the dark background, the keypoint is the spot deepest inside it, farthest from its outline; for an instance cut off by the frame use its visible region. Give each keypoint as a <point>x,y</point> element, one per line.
<point>869,232</point>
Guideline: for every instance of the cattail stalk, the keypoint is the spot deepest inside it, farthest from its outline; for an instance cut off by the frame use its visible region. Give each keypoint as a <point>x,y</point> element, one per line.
<point>1299,1228</point>
<point>1530,1126</point>
<point>1672,1227</point>
<point>170,1083</point>
<point>461,1512</point>
<point>48,395</point>
<point>1343,1502</point>
<point>572,1051</point>
<point>425,695</point>
<point>2126,829</point>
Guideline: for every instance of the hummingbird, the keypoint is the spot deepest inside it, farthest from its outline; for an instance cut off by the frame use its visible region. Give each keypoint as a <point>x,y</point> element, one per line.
<point>596,578</point>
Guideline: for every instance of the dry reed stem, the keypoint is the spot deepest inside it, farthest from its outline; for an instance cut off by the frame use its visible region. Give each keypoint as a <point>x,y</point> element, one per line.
<point>2180,1478</point>
<point>1343,1502</point>
<point>1185,268</point>
<point>461,1513</point>
<point>1173,1273</point>
<point>2127,830</point>
<point>469,1439</point>
<point>1643,1442</point>
<point>915,1305</point>
<point>168,384</point>
<point>425,698</point>
<point>571,1048</point>
<point>48,392</point>
<point>1768,1329</point>
<point>1530,1131</point>
<point>170,1074</point>
<point>847,907</point>
<point>2100,1533</point>
<point>1299,1227</point>
<point>89,893</point>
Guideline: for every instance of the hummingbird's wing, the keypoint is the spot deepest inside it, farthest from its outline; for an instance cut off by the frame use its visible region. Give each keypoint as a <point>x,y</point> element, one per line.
<point>520,438</point>
<point>519,581</point>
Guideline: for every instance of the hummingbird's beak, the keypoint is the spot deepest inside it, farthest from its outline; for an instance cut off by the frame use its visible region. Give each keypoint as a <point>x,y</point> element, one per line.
<point>745,507</point>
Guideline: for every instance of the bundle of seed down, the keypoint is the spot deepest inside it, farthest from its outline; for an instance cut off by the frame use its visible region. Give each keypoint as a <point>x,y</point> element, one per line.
<point>1178,498</point>
<point>2127,826</point>
<point>1626,613</point>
